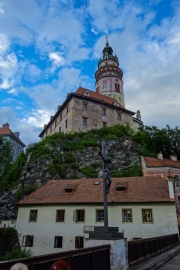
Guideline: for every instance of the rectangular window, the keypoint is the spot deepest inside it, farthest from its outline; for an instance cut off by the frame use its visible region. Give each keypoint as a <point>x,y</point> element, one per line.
<point>67,109</point>
<point>60,117</point>
<point>79,242</point>
<point>33,215</point>
<point>119,116</point>
<point>85,106</point>
<point>58,241</point>
<point>66,123</point>
<point>104,124</point>
<point>94,108</point>
<point>104,111</point>
<point>28,240</point>
<point>147,215</point>
<point>60,129</point>
<point>99,215</point>
<point>79,215</point>
<point>127,215</point>
<point>60,215</point>
<point>84,121</point>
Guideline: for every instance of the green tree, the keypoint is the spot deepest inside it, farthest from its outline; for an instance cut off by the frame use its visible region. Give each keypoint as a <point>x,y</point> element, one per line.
<point>6,155</point>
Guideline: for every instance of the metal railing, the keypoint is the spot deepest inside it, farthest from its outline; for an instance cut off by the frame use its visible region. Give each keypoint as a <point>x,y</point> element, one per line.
<point>94,258</point>
<point>141,250</point>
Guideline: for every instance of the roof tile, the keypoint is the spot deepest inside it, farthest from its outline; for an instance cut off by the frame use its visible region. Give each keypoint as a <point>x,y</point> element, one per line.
<point>139,189</point>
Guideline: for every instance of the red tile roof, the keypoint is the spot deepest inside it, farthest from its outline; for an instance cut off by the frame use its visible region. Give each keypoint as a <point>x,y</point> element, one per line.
<point>6,131</point>
<point>156,162</point>
<point>95,95</point>
<point>138,189</point>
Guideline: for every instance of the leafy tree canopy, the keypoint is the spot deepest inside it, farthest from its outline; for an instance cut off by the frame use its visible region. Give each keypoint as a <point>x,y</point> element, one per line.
<point>6,155</point>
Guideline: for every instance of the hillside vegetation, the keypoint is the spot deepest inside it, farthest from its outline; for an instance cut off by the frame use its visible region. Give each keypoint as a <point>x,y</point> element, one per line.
<point>72,156</point>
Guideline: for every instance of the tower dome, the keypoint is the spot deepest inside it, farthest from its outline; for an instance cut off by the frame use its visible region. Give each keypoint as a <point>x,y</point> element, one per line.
<point>109,76</point>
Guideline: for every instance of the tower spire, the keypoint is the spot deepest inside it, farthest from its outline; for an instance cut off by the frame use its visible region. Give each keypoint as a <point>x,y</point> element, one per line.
<point>107,44</point>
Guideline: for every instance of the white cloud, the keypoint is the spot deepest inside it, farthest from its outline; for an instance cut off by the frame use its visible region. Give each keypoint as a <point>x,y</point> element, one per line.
<point>38,118</point>
<point>4,43</point>
<point>1,9</point>
<point>28,133</point>
<point>12,91</point>
<point>57,59</point>
<point>94,31</point>
<point>5,84</point>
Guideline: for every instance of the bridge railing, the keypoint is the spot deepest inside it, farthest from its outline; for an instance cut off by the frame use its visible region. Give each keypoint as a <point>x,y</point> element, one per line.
<point>94,258</point>
<point>141,250</point>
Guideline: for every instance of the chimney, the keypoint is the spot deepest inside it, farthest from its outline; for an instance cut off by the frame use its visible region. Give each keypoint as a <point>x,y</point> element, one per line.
<point>51,117</point>
<point>17,134</point>
<point>173,157</point>
<point>58,108</point>
<point>160,155</point>
<point>138,115</point>
<point>5,125</point>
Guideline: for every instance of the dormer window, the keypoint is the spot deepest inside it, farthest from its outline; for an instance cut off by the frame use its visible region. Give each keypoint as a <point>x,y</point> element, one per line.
<point>86,93</point>
<point>121,186</point>
<point>69,188</point>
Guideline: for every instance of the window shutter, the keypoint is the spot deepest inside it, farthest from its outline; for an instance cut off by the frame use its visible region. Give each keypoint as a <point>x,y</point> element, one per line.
<point>24,241</point>
<point>82,213</point>
<point>75,215</point>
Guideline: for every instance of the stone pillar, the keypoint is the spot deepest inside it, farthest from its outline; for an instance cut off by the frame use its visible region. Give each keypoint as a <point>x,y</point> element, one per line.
<point>119,247</point>
<point>118,252</point>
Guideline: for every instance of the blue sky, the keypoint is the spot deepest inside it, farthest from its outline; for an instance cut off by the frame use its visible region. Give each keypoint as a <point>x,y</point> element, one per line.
<point>48,46</point>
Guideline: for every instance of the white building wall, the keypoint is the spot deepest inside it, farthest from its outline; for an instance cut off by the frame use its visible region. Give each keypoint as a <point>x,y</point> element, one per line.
<point>46,227</point>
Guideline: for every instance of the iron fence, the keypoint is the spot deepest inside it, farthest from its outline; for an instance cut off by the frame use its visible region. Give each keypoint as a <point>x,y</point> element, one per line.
<point>141,250</point>
<point>94,258</point>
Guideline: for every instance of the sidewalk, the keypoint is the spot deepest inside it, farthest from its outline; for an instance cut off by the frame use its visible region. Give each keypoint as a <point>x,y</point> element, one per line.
<point>157,261</point>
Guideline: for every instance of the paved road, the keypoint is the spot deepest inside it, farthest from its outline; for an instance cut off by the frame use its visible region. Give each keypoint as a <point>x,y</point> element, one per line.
<point>173,264</point>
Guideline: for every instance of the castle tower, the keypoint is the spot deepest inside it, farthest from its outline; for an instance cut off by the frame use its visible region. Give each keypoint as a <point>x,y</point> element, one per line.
<point>109,76</point>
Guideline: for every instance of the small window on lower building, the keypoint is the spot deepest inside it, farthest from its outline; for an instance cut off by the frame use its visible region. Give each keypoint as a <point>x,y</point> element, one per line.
<point>58,241</point>
<point>147,215</point>
<point>99,215</point>
<point>28,240</point>
<point>79,215</point>
<point>33,215</point>
<point>60,215</point>
<point>127,215</point>
<point>79,242</point>
<point>59,129</point>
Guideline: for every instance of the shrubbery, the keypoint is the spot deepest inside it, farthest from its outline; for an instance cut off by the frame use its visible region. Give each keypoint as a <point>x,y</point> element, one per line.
<point>60,150</point>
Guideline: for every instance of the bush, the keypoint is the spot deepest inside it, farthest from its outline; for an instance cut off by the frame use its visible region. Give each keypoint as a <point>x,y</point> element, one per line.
<point>70,158</point>
<point>16,254</point>
<point>116,174</point>
<point>96,165</point>
<point>74,165</point>
<point>31,188</point>
<point>89,171</point>
<point>74,176</point>
<point>18,194</point>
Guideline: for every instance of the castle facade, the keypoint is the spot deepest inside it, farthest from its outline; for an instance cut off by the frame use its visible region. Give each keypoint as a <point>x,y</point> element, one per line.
<point>85,109</point>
